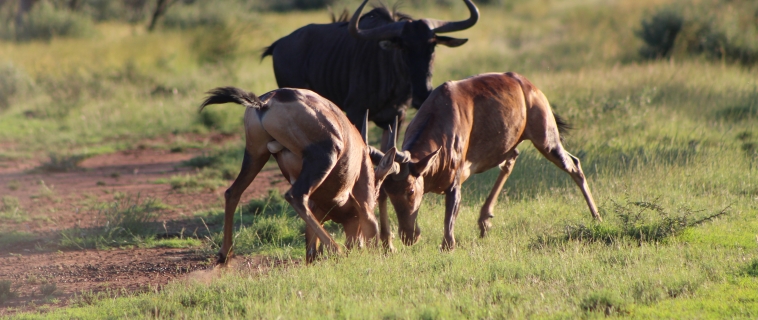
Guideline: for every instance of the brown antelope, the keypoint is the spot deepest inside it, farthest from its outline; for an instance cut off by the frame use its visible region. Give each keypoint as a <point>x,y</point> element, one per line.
<point>319,152</point>
<point>466,127</point>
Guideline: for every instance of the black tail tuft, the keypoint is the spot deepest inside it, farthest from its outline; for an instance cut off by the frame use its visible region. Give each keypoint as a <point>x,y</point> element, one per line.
<point>231,94</point>
<point>268,50</point>
<point>563,125</point>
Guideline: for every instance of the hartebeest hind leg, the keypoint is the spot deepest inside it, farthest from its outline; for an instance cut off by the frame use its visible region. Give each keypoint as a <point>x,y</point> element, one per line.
<point>569,163</point>
<point>250,168</point>
<point>317,164</point>
<point>505,170</point>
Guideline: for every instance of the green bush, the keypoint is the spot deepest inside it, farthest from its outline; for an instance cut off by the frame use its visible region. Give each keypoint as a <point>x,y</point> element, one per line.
<point>13,82</point>
<point>659,33</point>
<point>717,29</point>
<point>45,22</point>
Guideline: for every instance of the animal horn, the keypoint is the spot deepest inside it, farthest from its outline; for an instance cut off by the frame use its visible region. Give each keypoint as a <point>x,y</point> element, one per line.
<point>380,33</point>
<point>393,134</point>
<point>364,128</point>
<point>440,26</point>
<point>401,156</point>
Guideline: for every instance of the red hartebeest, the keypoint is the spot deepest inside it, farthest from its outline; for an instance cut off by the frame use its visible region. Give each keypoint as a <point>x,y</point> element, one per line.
<point>319,152</point>
<point>470,126</point>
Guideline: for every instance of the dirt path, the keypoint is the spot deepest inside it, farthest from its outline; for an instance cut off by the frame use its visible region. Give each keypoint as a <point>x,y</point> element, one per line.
<point>52,202</point>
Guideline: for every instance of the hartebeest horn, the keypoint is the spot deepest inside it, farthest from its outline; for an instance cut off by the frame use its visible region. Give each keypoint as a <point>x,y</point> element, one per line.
<point>380,33</point>
<point>364,128</point>
<point>440,26</point>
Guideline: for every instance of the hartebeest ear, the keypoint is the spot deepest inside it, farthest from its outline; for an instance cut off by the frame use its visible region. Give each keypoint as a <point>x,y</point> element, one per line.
<point>386,166</point>
<point>419,168</point>
<point>450,41</point>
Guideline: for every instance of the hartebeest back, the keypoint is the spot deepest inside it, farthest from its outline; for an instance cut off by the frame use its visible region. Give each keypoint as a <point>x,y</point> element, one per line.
<point>470,126</point>
<point>319,152</point>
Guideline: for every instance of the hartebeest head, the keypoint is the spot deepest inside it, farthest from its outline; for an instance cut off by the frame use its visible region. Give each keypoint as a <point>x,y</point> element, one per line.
<point>416,40</point>
<point>405,187</point>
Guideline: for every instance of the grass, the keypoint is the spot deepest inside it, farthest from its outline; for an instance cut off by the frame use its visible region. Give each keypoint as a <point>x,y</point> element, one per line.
<point>128,220</point>
<point>678,133</point>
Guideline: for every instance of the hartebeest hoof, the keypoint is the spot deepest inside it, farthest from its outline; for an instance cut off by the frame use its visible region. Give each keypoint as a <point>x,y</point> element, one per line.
<point>223,259</point>
<point>485,225</point>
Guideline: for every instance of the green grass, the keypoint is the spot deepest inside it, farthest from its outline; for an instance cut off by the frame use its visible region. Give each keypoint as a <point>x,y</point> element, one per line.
<point>128,220</point>
<point>678,133</point>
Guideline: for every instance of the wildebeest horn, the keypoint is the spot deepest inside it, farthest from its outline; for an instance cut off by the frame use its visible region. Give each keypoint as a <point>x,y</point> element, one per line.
<point>439,26</point>
<point>380,33</point>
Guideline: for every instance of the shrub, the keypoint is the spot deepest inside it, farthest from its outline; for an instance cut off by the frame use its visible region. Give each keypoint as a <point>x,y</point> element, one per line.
<point>603,302</point>
<point>45,22</point>
<point>6,291</point>
<point>659,33</point>
<point>13,82</point>
<point>640,221</point>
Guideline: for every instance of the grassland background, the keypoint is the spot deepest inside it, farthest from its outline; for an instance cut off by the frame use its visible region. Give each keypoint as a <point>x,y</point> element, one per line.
<point>679,132</point>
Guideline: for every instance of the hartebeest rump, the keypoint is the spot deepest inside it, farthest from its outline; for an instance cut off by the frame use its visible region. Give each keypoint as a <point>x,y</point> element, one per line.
<point>319,152</point>
<point>470,126</point>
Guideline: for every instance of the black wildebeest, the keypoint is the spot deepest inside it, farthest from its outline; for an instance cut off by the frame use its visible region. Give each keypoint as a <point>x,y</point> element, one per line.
<point>378,62</point>
<point>470,126</point>
<point>319,152</point>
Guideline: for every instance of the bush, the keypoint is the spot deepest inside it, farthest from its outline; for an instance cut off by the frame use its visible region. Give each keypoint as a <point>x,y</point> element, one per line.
<point>603,302</point>
<point>659,33</point>
<point>13,82</point>
<point>640,221</point>
<point>717,29</point>
<point>45,22</point>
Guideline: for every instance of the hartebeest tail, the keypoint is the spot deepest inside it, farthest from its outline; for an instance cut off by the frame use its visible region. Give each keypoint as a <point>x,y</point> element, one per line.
<point>319,152</point>
<point>467,127</point>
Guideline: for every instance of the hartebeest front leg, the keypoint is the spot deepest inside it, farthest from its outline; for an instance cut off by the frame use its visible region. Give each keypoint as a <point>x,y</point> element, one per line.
<point>384,222</point>
<point>251,166</point>
<point>452,205</point>
<point>505,171</point>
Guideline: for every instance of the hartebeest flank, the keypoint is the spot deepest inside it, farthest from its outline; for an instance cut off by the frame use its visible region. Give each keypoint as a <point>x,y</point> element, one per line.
<point>319,152</point>
<point>470,126</point>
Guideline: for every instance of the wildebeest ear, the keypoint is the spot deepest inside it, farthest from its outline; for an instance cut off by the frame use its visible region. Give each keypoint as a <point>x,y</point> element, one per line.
<point>419,168</point>
<point>386,166</point>
<point>450,41</point>
<point>388,45</point>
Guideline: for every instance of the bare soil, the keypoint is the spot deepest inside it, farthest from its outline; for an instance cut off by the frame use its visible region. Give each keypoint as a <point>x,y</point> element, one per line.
<point>53,202</point>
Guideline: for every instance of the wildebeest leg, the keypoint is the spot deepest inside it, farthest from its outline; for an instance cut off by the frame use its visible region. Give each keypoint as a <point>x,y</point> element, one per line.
<point>505,170</point>
<point>250,168</point>
<point>569,163</point>
<point>318,162</point>
<point>452,204</point>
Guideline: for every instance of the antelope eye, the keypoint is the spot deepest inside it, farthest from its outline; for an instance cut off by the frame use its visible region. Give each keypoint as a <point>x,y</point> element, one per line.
<point>410,192</point>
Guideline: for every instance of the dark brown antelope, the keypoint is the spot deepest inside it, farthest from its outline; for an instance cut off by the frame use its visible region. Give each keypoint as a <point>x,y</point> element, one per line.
<point>319,152</point>
<point>467,127</point>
